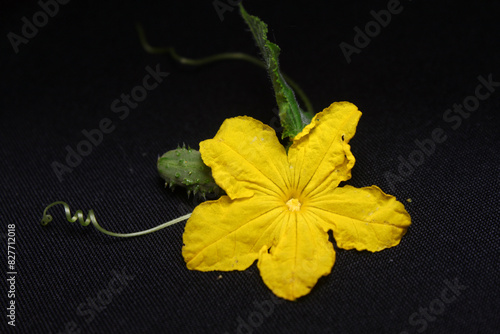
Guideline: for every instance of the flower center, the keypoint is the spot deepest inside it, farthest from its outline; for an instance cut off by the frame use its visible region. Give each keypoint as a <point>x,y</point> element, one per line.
<point>293,204</point>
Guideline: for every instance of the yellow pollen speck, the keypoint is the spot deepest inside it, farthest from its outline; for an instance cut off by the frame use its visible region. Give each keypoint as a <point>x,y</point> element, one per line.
<point>293,204</point>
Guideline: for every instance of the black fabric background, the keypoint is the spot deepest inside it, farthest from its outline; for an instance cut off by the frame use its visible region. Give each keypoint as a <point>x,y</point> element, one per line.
<point>64,80</point>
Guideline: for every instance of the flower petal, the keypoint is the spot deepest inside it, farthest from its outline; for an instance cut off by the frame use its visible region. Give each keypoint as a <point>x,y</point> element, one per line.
<point>228,234</point>
<point>361,218</point>
<point>302,255</point>
<point>246,157</point>
<point>320,156</point>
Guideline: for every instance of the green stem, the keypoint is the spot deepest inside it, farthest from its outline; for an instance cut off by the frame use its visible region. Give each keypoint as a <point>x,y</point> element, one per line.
<point>218,57</point>
<point>91,219</point>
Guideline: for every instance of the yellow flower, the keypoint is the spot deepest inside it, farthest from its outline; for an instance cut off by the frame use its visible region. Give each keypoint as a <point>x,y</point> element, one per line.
<point>279,207</point>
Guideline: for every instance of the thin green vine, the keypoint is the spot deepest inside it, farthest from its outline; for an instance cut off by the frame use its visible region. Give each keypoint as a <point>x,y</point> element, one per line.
<point>91,219</point>
<point>218,57</point>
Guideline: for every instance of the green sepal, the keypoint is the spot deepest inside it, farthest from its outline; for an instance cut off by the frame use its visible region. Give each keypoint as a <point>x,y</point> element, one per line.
<point>293,119</point>
<point>184,167</point>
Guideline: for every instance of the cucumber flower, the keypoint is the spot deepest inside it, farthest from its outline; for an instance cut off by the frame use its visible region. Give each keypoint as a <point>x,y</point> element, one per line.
<point>280,205</point>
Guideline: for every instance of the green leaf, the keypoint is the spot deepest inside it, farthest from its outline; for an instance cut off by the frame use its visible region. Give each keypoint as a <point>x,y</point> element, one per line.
<point>293,119</point>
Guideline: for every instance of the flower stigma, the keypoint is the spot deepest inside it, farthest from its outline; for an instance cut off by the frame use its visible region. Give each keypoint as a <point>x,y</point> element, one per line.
<point>293,204</point>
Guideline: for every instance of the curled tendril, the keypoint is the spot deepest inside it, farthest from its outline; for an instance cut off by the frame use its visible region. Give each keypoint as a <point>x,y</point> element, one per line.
<point>91,219</point>
<point>217,57</point>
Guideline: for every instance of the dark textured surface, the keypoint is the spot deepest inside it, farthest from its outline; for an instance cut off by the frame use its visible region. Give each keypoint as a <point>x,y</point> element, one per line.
<point>65,79</point>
